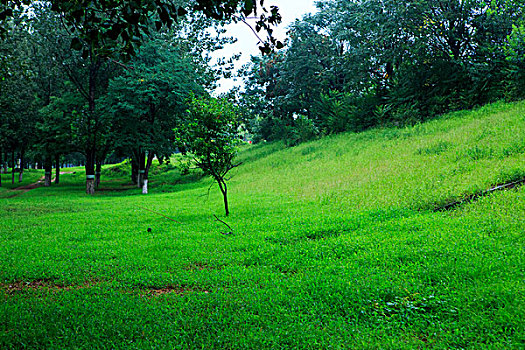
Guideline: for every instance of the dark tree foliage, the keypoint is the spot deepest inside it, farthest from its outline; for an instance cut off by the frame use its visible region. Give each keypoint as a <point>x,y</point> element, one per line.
<point>147,101</point>
<point>115,26</point>
<point>356,64</point>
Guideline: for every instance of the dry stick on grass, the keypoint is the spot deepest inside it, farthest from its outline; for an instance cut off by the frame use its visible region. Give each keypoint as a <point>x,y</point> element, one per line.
<point>154,212</point>
<point>475,196</point>
<point>224,233</point>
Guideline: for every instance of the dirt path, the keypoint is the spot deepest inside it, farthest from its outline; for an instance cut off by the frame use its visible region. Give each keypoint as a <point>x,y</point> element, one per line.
<point>23,189</point>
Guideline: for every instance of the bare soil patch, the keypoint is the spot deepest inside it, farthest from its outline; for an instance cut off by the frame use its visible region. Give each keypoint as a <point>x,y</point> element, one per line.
<point>42,285</point>
<point>27,188</point>
<point>155,292</point>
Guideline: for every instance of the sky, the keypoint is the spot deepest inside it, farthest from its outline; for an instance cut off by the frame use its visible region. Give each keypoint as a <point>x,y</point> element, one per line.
<point>247,42</point>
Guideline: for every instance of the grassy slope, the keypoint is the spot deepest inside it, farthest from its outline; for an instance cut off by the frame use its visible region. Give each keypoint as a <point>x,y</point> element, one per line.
<point>334,245</point>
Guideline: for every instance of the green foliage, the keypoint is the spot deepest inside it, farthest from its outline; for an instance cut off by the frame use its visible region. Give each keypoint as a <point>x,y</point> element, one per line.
<point>335,112</point>
<point>357,64</point>
<point>210,138</point>
<point>110,28</point>
<point>146,102</point>
<point>210,135</point>
<point>515,50</point>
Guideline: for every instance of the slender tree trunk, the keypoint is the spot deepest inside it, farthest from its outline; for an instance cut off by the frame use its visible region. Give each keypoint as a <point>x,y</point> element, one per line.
<point>48,167</point>
<point>134,169</point>
<point>22,161</point>
<point>92,126</point>
<point>90,171</point>
<point>140,177</point>
<point>13,168</point>
<point>224,190</point>
<point>146,173</point>
<point>57,169</point>
<point>98,173</point>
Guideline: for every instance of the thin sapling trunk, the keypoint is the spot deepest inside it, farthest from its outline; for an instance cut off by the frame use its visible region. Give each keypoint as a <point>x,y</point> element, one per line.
<point>224,191</point>
<point>13,168</point>
<point>57,169</point>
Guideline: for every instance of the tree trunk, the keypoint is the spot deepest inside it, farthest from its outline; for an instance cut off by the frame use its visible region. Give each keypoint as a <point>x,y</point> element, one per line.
<point>146,173</point>
<point>91,149</point>
<point>90,171</point>
<point>90,185</point>
<point>48,167</point>
<point>98,172</point>
<point>142,171</point>
<point>13,168</point>
<point>57,169</point>
<point>21,171</point>
<point>134,170</point>
<point>224,190</point>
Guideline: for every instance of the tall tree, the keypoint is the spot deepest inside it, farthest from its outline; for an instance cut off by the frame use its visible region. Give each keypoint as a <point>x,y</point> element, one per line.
<point>148,101</point>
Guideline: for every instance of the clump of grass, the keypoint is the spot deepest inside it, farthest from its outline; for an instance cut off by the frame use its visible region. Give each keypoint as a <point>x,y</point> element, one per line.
<point>435,149</point>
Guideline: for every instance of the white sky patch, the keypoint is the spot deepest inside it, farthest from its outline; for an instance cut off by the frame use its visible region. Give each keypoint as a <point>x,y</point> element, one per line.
<point>247,42</point>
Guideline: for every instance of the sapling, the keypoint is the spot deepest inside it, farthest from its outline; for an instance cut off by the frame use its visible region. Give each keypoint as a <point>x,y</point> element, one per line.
<point>209,139</point>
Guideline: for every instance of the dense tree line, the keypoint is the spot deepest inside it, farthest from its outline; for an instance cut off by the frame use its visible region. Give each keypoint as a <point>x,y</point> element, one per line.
<point>361,63</point>
<point>103,78</point>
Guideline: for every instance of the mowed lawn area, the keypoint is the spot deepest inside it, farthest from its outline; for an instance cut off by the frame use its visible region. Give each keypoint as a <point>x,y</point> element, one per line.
<point>336,243</point>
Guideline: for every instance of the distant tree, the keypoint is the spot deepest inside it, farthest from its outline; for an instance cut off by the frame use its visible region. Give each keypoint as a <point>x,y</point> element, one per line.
<point>18,108</point>
<point>355,64</point>
<point>209,138</point>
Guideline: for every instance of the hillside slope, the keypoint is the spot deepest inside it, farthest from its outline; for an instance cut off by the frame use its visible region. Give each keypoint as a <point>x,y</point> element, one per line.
<point>334,244</point>
<point>416,167</point>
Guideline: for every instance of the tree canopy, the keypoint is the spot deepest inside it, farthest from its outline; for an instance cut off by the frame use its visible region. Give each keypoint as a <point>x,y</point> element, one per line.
<point>357,64</point>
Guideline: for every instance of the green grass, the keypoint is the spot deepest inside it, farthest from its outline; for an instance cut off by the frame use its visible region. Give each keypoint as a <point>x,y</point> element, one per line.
<point>335,245</point>
<point>29,176</point>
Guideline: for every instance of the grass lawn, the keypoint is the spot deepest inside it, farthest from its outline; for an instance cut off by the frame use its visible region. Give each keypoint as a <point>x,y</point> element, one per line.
<point>335,244</point>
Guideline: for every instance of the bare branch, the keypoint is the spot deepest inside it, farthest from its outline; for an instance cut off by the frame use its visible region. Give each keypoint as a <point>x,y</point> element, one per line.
<point>219,220</point>
<point>243,20</point>
<point>121,64</point>
<point>154,212</point>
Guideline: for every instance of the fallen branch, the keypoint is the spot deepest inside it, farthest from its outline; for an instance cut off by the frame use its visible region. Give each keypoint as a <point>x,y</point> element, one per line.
<point>154,212</point>
<point>475,196</point>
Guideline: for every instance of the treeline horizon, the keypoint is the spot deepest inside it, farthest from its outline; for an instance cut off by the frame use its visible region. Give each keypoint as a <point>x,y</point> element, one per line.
<point>359,64</point>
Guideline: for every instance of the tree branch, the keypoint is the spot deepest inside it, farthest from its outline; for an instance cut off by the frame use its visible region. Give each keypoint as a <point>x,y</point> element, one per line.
<point>219,220</point>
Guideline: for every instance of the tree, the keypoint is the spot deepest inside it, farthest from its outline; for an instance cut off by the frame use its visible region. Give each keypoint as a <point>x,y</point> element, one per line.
<point>355,64</point>
<point>18,107</point>
<point>147,102</point>
<point>210,137</point>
